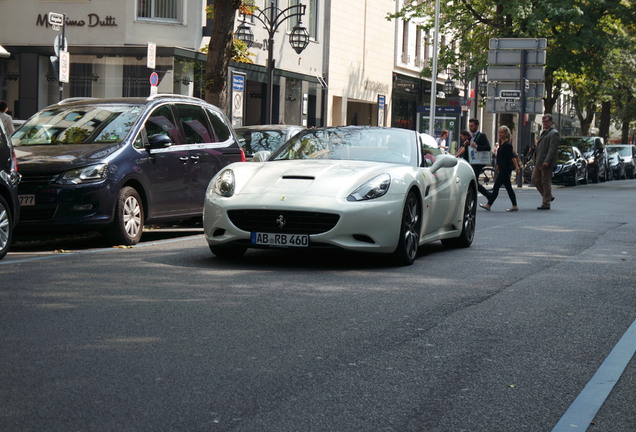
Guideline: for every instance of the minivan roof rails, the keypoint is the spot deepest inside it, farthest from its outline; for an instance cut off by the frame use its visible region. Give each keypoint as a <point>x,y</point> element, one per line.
<point>75,99</point>
<point>171,95</point>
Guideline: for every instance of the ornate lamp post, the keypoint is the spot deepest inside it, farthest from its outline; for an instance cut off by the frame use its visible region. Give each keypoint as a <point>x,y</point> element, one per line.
<point>272,17</point>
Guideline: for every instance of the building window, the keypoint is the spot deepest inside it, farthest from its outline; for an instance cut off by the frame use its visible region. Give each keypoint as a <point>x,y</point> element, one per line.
<point>164,10</point>
<point>310,19</point>
<point>418,46</point>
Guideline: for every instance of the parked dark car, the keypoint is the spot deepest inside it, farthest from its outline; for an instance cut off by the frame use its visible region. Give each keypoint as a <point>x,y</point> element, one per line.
<point>115,165</point>
<point>571,166</point>
<point>628,153</point>
<point>264,137</point>
<point>617,165</point>
<point>9,179</point>
<point>594,151</point>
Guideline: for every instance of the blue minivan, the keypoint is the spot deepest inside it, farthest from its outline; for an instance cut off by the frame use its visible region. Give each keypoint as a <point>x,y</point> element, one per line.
<point>115,165</point>
<point>9,179</point>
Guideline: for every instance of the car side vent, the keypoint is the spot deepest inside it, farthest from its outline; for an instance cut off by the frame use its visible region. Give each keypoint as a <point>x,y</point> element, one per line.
<point>298,177</point>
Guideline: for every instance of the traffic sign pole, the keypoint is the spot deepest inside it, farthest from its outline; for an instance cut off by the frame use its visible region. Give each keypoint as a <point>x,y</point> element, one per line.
<point>57,22</point>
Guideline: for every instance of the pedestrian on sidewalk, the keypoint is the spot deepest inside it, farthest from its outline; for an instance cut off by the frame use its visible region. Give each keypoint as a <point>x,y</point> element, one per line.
<point>506,162</point>
<point>545,160</point>
<point>479,142</point>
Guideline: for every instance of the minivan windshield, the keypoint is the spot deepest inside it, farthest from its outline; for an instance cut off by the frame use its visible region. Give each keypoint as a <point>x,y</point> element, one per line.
<point>78,124</point>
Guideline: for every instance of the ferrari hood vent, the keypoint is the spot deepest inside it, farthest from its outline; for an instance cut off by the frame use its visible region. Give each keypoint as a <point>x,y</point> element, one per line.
<point>298,177</point>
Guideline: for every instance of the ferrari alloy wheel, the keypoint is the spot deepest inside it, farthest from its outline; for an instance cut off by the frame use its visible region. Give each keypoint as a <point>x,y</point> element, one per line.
<point>6,227</point>
<point>128,224</point>
<point>409,241</point>
<point>467,234</point>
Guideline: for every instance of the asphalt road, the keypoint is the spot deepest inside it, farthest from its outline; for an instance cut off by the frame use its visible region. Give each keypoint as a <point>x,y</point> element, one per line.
<point>502,336</point>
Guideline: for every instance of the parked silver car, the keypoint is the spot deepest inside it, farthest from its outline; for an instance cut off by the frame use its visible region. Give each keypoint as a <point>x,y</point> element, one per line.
<point>627,152</point>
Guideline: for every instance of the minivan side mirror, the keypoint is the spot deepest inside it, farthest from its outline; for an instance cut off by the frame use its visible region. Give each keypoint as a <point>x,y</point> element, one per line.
<point>159,141</point>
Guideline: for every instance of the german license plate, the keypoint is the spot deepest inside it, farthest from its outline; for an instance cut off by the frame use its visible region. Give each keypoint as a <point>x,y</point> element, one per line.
<point>280,240</point>
<point>27,200</point>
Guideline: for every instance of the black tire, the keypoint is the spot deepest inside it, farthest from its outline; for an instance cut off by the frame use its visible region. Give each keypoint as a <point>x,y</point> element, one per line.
<point>128,224</point>
<point>409,241</point>
<point>228,251</point>
<point>586,177</point>
<point>575,180</point>
<point>467,235</point>
<point>6,227</point>
<point>596,176</point>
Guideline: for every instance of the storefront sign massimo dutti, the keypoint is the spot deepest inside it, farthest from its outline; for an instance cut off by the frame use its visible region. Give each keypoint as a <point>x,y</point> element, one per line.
<point>93,20</point>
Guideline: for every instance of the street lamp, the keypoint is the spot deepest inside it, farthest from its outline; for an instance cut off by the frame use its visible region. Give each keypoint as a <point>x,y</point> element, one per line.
<point>449,86</point>
<point>483,85</point>
<point>272,17</point>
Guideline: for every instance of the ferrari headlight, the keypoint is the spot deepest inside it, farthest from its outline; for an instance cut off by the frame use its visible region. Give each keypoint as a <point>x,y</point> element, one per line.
<point>88,174</point>
<point>224,183</point>
<point>374,188</point>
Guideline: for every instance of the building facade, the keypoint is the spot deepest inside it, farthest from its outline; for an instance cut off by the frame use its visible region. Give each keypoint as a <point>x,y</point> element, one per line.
<point>298,78</point>
<point>359,62</point>
<point>108,45</point>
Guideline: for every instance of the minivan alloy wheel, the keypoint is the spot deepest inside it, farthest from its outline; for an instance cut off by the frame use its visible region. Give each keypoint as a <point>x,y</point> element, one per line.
<point>128,223</point>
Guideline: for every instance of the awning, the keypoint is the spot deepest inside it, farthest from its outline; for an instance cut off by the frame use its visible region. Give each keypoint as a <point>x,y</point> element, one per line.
<point>4,52</point>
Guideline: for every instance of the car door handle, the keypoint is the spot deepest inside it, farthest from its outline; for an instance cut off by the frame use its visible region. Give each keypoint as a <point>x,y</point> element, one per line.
<point>195,158</point>
<point>184,159</point>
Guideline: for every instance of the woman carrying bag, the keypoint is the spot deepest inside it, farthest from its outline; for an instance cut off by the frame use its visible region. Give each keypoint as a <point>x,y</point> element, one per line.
<point>506,162</point>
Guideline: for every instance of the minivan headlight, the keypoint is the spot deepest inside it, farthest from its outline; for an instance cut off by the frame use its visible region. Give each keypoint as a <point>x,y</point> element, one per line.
<point>88,174</point>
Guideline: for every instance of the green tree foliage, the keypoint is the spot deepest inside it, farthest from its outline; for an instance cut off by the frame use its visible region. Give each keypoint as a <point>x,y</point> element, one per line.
<point>581,36</point>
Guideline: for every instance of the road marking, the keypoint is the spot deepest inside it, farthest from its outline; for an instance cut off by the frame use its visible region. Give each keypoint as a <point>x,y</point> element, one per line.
<point>58,255</point>
<point>581,413</point>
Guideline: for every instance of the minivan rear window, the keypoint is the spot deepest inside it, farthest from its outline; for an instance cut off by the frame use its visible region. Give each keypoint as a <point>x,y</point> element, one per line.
<point>78,124</point>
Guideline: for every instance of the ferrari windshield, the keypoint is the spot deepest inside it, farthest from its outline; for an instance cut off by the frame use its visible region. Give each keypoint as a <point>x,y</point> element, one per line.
<point>78,124</point>
<point>352,143</point>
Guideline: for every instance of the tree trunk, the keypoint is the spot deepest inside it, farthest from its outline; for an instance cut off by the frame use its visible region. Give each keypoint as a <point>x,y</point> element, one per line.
<point>606,112</point>
<point>220,52</point>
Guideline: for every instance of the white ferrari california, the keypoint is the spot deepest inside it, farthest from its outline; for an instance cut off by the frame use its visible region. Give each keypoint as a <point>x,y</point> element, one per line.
<point>365,189</point>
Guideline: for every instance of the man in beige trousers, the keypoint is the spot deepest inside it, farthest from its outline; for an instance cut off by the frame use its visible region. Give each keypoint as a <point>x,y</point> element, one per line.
<point>545,161</point>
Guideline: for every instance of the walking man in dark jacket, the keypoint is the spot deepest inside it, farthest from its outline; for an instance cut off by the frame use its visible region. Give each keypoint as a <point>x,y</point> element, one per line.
<point>545,160</point>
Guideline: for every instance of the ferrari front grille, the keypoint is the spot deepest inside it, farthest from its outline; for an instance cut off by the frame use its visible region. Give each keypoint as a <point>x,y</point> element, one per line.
<point>283,221</point>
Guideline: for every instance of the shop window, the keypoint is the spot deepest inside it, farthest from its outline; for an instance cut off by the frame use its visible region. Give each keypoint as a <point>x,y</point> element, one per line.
<point>81,80</point>
<point>164,10</point>
<point>310,19</point>
<point>136,81</point>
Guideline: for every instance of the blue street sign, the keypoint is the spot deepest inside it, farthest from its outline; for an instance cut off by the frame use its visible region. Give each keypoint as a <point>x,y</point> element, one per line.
<point>238,82</point>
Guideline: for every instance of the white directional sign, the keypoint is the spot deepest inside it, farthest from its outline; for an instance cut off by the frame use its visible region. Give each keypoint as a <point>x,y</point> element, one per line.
<point>56,20</point>
<point>512,73</point>
<point>513,57</point>
<point>533,106</point>
<point>507,89</point>
<point>518,43</point>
